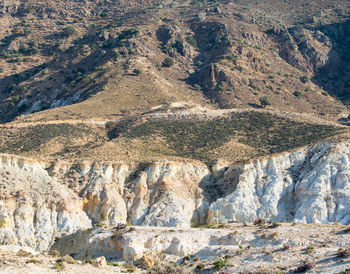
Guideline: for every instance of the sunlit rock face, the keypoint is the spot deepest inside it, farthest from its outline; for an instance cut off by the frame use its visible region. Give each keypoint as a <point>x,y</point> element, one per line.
<point>310,185</point>
<point>42,201</point>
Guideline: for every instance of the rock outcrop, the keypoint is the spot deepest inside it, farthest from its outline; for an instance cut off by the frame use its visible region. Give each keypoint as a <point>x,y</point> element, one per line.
<point>306,186</point>
<point>41,201</point>
<point>153,194</point>
<point>34,208</point>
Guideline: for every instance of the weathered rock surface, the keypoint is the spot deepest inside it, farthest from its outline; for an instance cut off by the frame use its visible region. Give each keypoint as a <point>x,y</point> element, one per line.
<point>153,194</point>
<point>41,201</point>
<point>34,208</point>
<point>306,186</point>
<point>246,247</point>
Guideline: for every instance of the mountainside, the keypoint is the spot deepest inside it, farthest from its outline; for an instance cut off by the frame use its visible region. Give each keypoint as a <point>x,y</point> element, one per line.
<point>116,58</point>
<point>175,136</point>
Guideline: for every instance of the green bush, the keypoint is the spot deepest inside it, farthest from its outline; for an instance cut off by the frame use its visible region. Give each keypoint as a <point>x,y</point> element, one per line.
<point>219,264</point>
<point>297,94</point>
<point>192,41</point>
<point>305,78</point>
<point>137,71</point>
<point>197,87</point>
<point>220,88</point>
<point>168,62</point>
<point>264,101</point>
<point>69,31</point>
<point>59,266</point>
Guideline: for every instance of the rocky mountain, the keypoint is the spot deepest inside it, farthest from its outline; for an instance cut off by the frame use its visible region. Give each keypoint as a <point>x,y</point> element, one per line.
<point>175,136</point>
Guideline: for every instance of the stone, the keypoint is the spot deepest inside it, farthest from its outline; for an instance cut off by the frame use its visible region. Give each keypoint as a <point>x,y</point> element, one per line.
<point>100,262</point>
<point>68,259</point>
<point>147,261</point>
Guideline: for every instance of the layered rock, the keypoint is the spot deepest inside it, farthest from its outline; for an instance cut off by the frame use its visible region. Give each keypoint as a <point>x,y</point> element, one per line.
<point>307,186</point>
<point>156,194</point>
<point>34,208</point>
<point>41,201</point>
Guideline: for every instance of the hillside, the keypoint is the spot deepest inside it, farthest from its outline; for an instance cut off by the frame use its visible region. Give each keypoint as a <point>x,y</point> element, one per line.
<point>63,62</point>
<point>174,136</point>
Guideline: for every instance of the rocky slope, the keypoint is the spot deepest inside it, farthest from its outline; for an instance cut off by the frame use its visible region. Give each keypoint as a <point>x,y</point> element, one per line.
<point>41,201</point>
<point>79,61</point>
<point>240,248</point>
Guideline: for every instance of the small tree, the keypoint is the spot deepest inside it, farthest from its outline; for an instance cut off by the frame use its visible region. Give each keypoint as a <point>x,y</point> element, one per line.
<point>297,94</point>
<point>137,71</point>
<point>69,31</point>
<point>168,62</point>
<point>264,101</point>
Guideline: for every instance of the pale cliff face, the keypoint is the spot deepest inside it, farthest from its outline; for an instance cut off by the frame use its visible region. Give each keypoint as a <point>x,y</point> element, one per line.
<point>41,201</point>
<point>305,186</point>
<point>34,208</point>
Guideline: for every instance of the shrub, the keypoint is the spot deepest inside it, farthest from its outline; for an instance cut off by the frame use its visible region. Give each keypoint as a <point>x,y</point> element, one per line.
<point>297,94</point>
<point>32,261</point>
<point>69,31</point>
<point>200,267</point>
<point>168,62</point>
<point>137,71</point>
<point>198,87</point>
<point>59,266</point>
<point>221,88</point>
<point>305,78</point>
<point>305,266</point>
<point>192,41</point>
<point>287,246</point>
<point>220,264</point>
<point>86,80</point>
<point>309,249</point>
<point>341,253</point>
<point>264,101</point>
<point>130,267</point>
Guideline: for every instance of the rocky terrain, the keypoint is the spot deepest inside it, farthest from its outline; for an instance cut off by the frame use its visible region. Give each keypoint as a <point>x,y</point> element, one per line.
<point>174,136</point>
<point>308,185</point>
<point>260,248</point>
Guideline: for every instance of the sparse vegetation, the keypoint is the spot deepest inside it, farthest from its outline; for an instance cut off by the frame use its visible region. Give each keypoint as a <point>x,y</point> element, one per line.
<point>60,266</point>
<point>221,263</point>
<point>266,132</point>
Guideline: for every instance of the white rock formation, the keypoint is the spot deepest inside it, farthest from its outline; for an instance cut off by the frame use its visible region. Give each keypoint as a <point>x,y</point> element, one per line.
<point>33,207</point>
<point>310,185</point>
<point>152,194</point>
<point>40,201</point>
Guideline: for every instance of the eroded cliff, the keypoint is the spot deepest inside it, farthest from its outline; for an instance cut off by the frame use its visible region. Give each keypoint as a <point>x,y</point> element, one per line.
<point>41,201</point>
